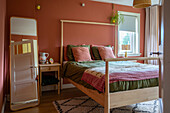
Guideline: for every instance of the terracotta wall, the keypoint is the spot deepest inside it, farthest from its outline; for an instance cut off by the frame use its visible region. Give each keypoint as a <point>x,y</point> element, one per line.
<point>52,11</point>
<point>2,36</point>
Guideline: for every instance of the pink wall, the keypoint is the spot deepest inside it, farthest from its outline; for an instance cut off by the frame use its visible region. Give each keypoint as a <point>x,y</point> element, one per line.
<point>52,11</point>
<point>2,36</point>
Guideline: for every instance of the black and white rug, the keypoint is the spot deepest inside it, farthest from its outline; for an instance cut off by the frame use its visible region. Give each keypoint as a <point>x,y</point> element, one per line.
<point>87,105</point>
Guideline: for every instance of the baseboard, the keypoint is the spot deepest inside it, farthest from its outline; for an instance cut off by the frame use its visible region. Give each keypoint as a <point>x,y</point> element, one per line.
<point>50,88</point>
<point>66,86</point>
<point>3,106</point>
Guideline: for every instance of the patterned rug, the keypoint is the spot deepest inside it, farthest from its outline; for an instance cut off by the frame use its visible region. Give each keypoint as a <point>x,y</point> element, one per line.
<point>87,105</point>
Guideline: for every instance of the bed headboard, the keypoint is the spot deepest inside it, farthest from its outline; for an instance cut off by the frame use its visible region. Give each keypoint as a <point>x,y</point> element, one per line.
<point>83,22</point>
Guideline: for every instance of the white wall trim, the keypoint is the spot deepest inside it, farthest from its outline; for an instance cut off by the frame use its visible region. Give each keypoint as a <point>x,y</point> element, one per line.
<point>50,88</point>
<point>3,106</point>
<point>129,54</point>
<point>66,86</point>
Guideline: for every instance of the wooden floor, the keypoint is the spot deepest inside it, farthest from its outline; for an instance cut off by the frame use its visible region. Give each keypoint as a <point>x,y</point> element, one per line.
<point>47,98</point>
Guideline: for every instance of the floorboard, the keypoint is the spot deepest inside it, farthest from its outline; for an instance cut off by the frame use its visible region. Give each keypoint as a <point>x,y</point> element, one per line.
<point>47,98</point>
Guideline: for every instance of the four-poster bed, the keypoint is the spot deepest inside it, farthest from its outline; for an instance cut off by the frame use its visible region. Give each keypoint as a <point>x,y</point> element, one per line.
<point>117,99</point>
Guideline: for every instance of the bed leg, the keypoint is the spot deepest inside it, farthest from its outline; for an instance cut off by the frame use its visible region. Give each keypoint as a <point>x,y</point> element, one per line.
<point>107,91</point>
<point>107,104</point>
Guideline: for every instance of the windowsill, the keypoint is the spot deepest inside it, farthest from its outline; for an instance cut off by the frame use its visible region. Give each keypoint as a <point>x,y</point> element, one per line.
<point>129,54</point>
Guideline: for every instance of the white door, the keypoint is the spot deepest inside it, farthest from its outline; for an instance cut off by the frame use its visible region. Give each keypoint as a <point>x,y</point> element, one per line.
<point>166,73</point>
<point>161,54</point>
<point>24,86</point>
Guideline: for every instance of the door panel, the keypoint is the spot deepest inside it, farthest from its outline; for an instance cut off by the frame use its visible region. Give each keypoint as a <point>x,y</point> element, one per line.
<point>24,86</point>
<point>24,92</point>
<point>22,67</point>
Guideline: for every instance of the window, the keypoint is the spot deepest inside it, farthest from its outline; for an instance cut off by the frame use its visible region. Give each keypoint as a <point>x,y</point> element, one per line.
<point>26,48</point>
<point>129,34</point>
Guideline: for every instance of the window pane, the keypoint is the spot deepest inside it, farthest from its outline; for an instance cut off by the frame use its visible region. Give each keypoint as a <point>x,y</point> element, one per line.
<point>126,41</point>
<point>129,23</point>
<point>29,47</point>
<point>24,48</point>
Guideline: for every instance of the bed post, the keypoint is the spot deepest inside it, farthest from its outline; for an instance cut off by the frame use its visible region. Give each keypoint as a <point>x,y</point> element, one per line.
<point>107,92</point>
<point>61,49</point>
<point>61,54</point>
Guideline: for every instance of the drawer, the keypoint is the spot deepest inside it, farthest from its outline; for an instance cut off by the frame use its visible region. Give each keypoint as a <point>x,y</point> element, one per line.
<point>51,68</point>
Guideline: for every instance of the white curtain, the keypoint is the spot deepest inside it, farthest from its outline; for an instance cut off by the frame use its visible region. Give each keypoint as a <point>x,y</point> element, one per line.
<point>151,32</point>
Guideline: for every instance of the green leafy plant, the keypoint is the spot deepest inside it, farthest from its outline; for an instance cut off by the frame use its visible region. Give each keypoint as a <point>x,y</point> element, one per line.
<point>116,18</point>
<point>126,39</point>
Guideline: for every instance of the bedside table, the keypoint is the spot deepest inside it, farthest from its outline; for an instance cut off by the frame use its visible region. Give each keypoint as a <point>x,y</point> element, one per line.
<point>49,68</point>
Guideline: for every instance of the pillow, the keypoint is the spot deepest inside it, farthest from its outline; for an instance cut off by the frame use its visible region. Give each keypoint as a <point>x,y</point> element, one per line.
<point>81,54</point>
<point>106,52</point>
<point>70,53</point>
<point>95,51</point>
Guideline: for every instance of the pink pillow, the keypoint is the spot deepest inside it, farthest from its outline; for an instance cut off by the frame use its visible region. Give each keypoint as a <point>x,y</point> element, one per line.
<point>81,54</point>
<point>106,52</point>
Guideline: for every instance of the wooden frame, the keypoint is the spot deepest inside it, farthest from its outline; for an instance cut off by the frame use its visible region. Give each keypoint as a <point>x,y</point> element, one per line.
<point>130,97</point>
<point>117,99</point>
<point>10,61</point>
<point>29,103</point>
<point>77,22</point>
<point>113,100</point>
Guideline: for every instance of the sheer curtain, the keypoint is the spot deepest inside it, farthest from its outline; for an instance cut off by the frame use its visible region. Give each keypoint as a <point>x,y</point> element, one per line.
<point>151,32</point>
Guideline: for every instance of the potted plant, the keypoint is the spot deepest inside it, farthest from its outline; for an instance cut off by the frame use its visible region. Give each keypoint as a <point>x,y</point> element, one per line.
<point>116,18</point>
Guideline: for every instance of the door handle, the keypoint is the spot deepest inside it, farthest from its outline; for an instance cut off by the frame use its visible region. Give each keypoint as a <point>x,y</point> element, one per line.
<point>156,53</point>
<point>35,70</point>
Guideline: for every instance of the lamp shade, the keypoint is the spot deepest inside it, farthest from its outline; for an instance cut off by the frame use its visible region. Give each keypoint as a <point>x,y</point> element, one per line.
<point>141,3</point>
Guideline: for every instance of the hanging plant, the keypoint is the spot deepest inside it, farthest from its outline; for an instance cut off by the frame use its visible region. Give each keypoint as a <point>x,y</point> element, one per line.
<point>116,18</point>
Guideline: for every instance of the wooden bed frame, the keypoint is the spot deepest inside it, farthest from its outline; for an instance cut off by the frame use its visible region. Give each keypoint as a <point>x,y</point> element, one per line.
<point>117,99</point>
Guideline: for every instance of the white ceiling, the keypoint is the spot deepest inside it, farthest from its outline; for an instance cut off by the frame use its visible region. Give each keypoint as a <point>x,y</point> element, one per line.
<point>125,2</point>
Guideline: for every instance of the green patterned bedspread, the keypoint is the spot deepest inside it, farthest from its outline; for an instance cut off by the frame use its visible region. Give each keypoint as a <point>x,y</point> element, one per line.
<point>74,71</point>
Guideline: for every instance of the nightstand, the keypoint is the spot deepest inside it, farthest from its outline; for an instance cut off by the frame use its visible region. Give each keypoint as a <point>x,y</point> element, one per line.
<point>50,68</point>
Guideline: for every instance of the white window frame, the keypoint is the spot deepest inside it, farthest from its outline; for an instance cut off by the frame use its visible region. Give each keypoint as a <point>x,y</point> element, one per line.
<point>137,49</point>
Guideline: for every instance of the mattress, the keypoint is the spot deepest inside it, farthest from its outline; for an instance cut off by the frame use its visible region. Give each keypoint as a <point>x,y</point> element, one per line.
<point>75,71</point>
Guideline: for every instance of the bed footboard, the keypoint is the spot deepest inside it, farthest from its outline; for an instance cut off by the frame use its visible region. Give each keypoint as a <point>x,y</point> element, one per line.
<point>131,96</point>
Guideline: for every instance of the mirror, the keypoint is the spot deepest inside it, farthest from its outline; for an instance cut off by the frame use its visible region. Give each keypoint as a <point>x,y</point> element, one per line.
<point>24,91</point>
